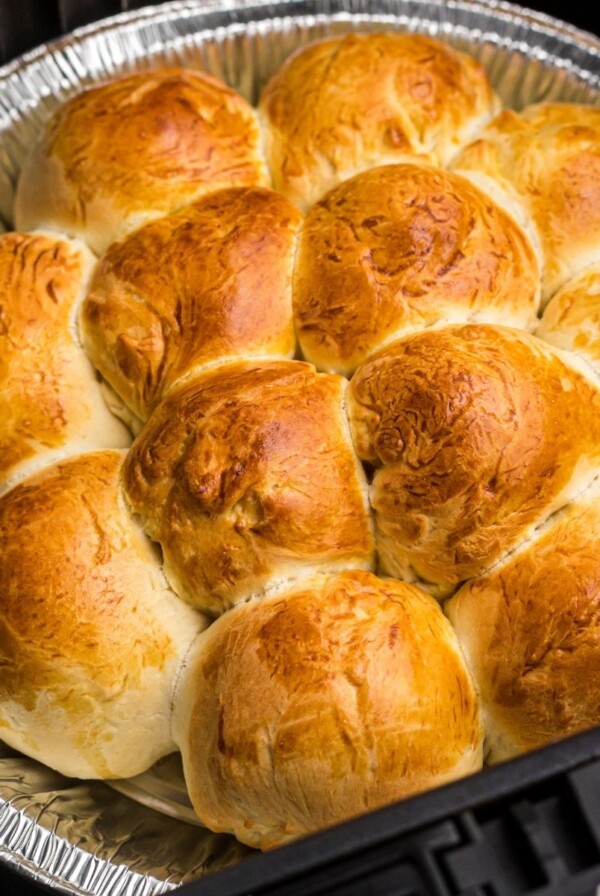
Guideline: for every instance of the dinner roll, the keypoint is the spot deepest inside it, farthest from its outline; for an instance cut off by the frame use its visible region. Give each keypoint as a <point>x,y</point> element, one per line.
<point>478,433</point>
<point>50,399</point>
<point>531,632</point>
<point>91,637</point>
<point>572,318</point>
<point>547,159</point>
<point>345,104</point>
<point>341,695</point>
<point>327,380</point>
<point>247,477</point>
<point>205,284</point>
<point>123,152</point>
<point>399,248</point>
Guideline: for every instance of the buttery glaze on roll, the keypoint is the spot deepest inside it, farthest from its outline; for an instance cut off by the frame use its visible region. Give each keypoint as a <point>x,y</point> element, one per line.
<point>530,629</point>
<point>121,153</point>
<point>50,398</point>
<point>479,434</point>
<point>321,691</point>
<point>338,696</point>
<point>547,160</point>
<point>246,476</point>
<point>399,248</point>
<point>345,104</point>
<point>91,638</point>
<point>209,283</point>
<point>571,320</point>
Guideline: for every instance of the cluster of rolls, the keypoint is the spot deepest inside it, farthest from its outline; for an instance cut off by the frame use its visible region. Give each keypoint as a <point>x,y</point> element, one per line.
<point>354,333</point>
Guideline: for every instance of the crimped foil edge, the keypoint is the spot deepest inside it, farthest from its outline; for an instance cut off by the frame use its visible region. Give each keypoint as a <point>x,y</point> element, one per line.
<point>38,854</point>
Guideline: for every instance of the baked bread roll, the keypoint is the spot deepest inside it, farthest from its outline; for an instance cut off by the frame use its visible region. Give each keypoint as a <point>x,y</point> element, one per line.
<point>206,284</point>
<point>321,691</point>
<point>343,694</point>
<point>399,248</point>
<point>531,632</point>
<point>546,159</point>
<point>246,477</point>
<point>572,318</point>
<point>132,149</point>
<point>478,434</point>
<point>91,637</point>
<point>340,106</point>
<point>50,399</point>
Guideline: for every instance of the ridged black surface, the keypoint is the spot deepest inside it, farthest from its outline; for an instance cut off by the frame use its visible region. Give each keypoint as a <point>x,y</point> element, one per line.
<point>529,828</point>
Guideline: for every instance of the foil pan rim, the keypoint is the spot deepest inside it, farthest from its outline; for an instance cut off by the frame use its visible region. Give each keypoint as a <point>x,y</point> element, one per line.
<point>507,11</point>
<point>25,848</point>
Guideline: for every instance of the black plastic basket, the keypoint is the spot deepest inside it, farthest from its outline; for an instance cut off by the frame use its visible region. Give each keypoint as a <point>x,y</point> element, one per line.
<point>530,827</point>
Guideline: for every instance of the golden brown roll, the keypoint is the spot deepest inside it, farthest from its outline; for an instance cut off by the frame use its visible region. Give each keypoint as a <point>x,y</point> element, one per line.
<point>398,248</point>
<point>91,638</point>
<point>50,399</point>
<point>479,434</point>
<point>247,477</point>
<point>530,629</point>
<point>348,103</point>
<point>547,159</point>
<point>336,697</point>
<point>571,320</point>
<point>208,283</point>
<point>319,691</point>
<point>121,153</point>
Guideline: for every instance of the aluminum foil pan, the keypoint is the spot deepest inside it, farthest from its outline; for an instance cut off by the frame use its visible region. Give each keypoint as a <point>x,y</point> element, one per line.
<point>140,837</point>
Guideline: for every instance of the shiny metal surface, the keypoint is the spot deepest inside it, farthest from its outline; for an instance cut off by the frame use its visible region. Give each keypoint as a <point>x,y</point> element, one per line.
<point>85,837</point>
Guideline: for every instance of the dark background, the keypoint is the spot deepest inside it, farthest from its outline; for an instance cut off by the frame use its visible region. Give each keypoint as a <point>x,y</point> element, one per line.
<point>584,15</point>
<point>26,23</point>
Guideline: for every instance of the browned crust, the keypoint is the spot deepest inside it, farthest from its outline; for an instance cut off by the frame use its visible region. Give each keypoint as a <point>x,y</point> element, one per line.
<point>49,395</point>
<point>135,148</point>
<point>246,475</point>
<point>345,104</point>
<point>547,157</point>
<point>344,694</point>
<point>401,247</point>
<point>209,283</point>
<point>90,637</point>
<point>571,320</point>
<point>531,632</point>
<point>480,433</point>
